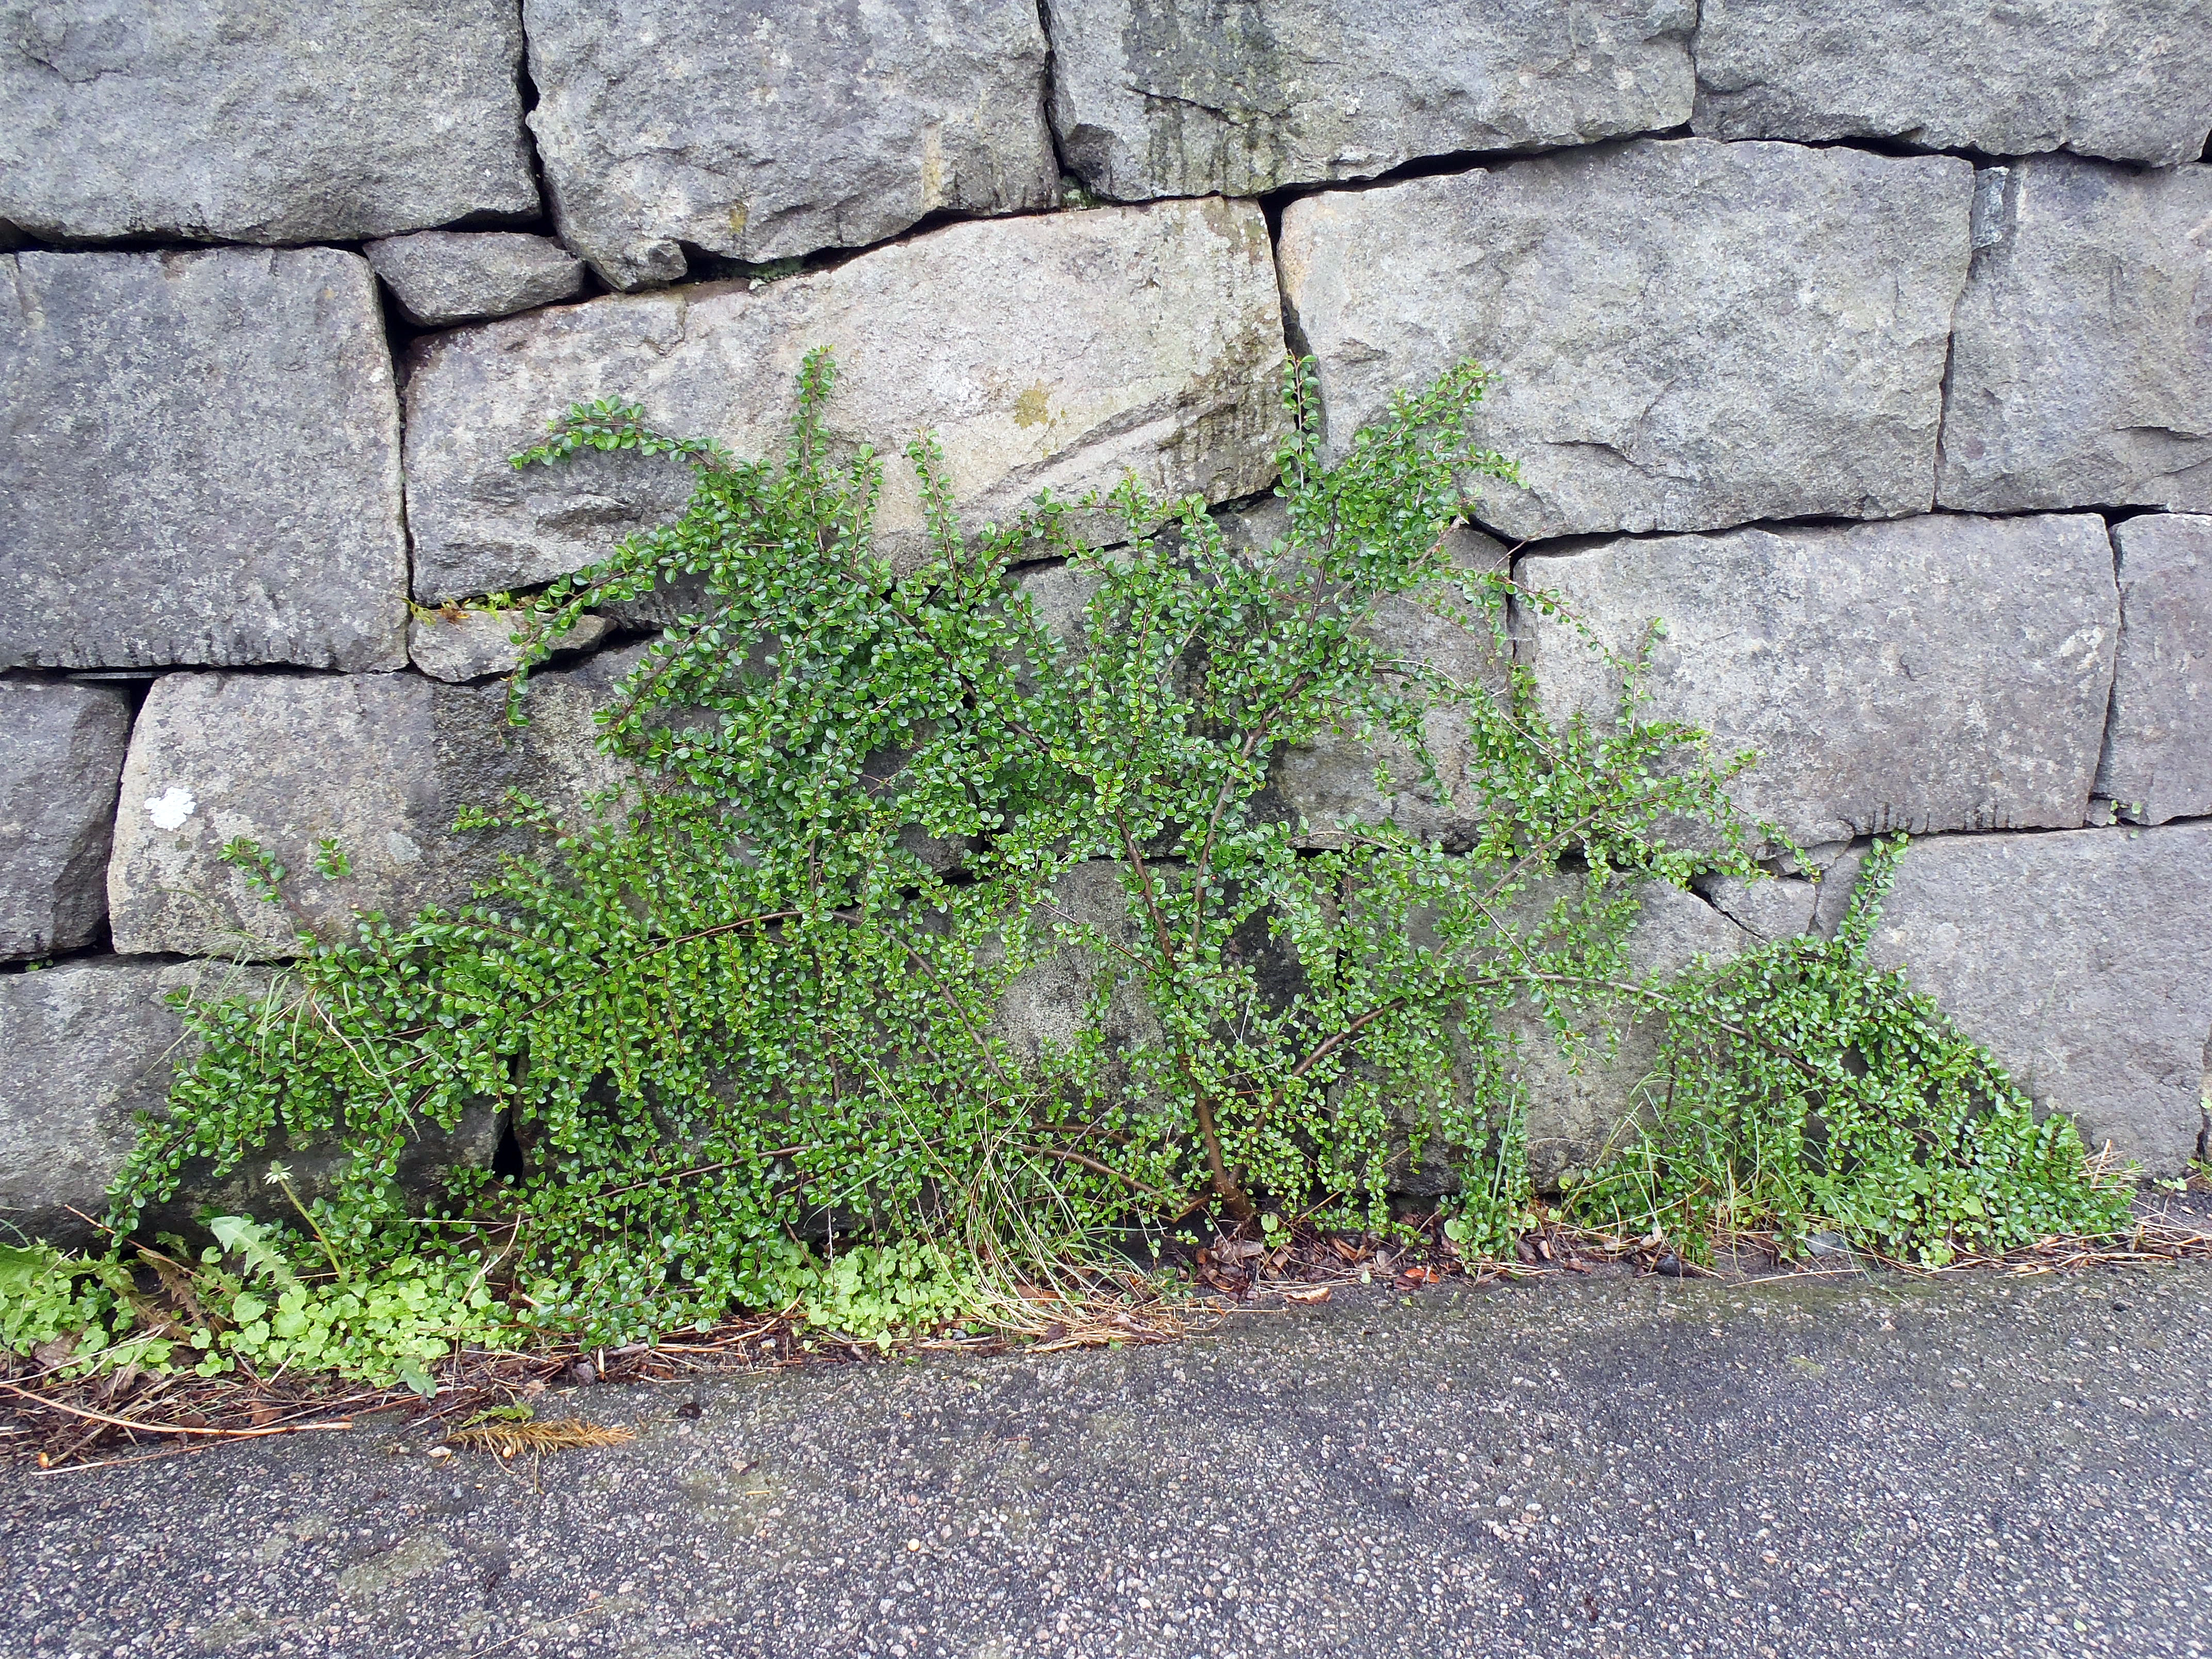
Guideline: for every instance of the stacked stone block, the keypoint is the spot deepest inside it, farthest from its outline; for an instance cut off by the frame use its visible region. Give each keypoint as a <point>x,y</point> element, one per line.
<point>1058,351</point>
<point>2122,79</point>
<point>1165,100</point>
<point>1688,334</point>
<point>2156,763</point>
<point>61,759</point>
<point>1886,394</point>
<point>760,131</point>
<point>1933,674</point>
<point>201,464</point>
<point>2081,359</point>
<point>269,121</point>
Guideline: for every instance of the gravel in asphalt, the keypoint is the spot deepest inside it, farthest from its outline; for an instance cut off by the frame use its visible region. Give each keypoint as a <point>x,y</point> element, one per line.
<point>1861,1464</point>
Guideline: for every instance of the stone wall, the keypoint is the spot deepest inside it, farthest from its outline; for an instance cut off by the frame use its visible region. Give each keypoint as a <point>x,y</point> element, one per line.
<point>1869,346</point>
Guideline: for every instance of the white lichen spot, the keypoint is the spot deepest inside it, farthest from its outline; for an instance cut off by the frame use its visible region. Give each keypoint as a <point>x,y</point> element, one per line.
<point>171,807</point>
<point>403,850</point>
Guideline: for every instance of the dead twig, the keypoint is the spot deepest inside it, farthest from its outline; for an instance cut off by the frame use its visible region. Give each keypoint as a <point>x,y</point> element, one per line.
<point>137,1425</point>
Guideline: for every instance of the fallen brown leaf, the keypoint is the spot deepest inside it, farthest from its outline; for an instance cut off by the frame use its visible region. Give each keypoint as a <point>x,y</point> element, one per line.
<point>48,1355</point>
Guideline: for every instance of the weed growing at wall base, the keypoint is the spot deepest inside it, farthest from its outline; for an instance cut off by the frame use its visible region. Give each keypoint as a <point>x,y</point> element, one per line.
<point>758,1023</point>
<point>1799,1087</point>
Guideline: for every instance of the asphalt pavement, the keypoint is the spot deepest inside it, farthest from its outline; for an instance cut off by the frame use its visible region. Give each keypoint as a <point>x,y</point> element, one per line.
<point>1858,1465</point>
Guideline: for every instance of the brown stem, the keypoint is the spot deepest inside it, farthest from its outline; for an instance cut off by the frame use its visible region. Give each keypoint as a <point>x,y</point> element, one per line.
<point>1209,1133</point>
<point>1232,1192</point>
<point>1337,1040</point>
<point>169,1428</point>
<point>1167,1198</point>
<point>1145,887</point>
<point>1252,744</point>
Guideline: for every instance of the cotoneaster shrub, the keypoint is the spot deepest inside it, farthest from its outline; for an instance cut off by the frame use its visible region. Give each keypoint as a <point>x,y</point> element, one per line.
<point>748,1017</point>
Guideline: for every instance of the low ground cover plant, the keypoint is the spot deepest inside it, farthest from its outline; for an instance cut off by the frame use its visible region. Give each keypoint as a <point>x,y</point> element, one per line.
<point>749,1019</point>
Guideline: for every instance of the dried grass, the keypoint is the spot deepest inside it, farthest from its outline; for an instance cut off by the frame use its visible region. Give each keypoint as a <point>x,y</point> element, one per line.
<point>514,1439</point>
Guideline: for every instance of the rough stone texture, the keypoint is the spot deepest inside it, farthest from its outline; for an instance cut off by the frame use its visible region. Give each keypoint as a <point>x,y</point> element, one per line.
<point>1945,672</point>
<point>259,120</point>
<point>2081,366</point>
<point>61,755</point>
<point>381,763</point>
<point>1838,877</point>
<point>2158,743</point>
<point>88,1044</point>
<point>1060,594</point>
<point>1781,908</point>
<point>1044,1005</point>
<point>1062,351</point>
<point>2082,960</point>
<point>1331,781</point>
<point>1688,334</point>
<point>474,645</point>
<point>759,132</point>
<point>2128,79</point>
<point>1575,1109</point>
<point>91,1043</point>
<point>1172,98</point>
<point>201,462</point>
<point>442,276</point>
